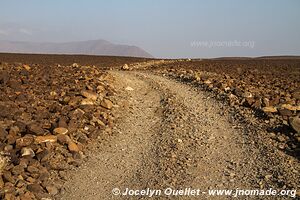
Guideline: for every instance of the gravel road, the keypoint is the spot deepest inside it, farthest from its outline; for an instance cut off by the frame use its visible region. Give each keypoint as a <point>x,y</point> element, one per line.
<point>171,135</point>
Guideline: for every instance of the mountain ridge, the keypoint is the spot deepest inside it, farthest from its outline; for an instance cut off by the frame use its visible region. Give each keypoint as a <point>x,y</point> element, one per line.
<point>88,47</point>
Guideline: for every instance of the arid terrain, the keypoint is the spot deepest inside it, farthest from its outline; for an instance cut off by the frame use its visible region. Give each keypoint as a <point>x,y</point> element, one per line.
<point>88,127</point>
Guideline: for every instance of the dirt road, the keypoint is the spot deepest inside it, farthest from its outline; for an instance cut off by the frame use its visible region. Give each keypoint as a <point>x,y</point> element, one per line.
<point>170,135</point>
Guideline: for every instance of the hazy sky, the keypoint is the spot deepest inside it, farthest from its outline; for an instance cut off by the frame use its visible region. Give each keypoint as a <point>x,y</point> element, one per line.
<point>164,28</point>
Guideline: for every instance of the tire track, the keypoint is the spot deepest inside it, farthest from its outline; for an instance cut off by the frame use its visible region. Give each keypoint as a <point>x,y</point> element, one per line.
<point>167,135</point>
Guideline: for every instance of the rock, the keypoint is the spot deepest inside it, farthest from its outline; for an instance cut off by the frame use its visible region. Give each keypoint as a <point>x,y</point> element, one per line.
<point>25,151</point>
<point>227,89</point>
<point>296,95</point>
<point>24,162</point>
<point>73,101</point>
<point>5,112</point>
<point>100,88</point>
<point>87,102</point>
<point>106,104</point>
<point>295,123</point>
<point>98,121</point>
<point>274,101</point>
<point>44,175</point>
<point>58,163</point>
<point>281,138</point>
<point>24,141</point>
<point>89,94</point>
<point>4,77</point>
<point>30,180</point>
<point>269,109</point>
<point>266,102</point>
<point>125,67</point>
<point>75,65</point>
<point>27,67</point>
<point>60,130</point>
<point>52,190</point>
<point>46,138</point>
<point>247,95</point>
<point>239,70</point>
<point>62,122</point>
<point>82,138</point>
<point>268,177</point>
<point>290,107</point>
<point>78,113</point>
<point>8,148</point>
<point>27,196</point>
<point>232,97</point>
<point>14,129</point>
<point>73,126</point>
<point>207,82</point>
<point>63,139</point>
<point>36,188</point>
<point>7,176</point>
<point>129,88</point>
<point>9,196</point>
<point>73,146</point>
<point>32,169</point>
<point>285,112</point>
<point>11,138</point>
<point>1,182</point>
<point>257,103</point>
<point>3,134</point>
<point>63,175</point>
<point>36,129</point>
<point>53,93</point>
<point>250,100</point>
<point>281,146</point>
<point>21,125</point>
<point>18,169</point>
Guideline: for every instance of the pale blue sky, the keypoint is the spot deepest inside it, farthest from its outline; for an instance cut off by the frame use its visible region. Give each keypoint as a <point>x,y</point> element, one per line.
<point>164,28</point>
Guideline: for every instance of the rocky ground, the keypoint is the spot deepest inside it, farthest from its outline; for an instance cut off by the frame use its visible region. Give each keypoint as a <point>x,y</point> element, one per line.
<point>268,90</point>
<point>48,116</point>
<point>173,135</point>
<point>76,131</point>
<point>103,62</point>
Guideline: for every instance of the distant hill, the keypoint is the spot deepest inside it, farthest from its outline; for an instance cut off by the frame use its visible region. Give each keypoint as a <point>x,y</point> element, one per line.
<point>91,47</point>
<point>283,57</point>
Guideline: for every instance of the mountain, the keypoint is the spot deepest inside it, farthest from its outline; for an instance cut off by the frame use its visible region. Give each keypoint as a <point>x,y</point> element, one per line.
<point>91,47</point>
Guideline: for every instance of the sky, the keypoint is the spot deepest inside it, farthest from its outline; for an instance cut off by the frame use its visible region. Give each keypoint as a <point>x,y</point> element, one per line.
<point>164,28</point>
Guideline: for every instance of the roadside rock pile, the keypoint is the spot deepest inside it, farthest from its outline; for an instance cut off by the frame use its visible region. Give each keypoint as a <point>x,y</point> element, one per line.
<point>271,90</point>
<point>146,64</point>
<point>48,115</point>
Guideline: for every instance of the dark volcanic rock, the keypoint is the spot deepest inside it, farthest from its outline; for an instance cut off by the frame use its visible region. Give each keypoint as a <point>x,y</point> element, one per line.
<point>36,129</point>
<point>43,125</point>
